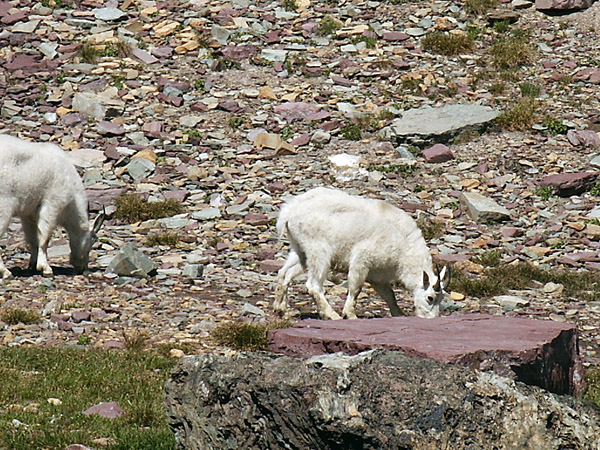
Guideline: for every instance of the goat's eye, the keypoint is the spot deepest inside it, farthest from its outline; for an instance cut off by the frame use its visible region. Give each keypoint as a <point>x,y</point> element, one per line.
<point>430,299</point>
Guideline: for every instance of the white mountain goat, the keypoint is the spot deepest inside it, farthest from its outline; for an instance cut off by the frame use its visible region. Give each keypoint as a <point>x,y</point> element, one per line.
<point>369,239</point>
<point>40,185</point>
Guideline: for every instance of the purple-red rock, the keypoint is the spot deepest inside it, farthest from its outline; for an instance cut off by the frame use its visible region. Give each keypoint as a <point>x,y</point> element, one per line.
<point>106,128</point>
<point>562,4</point>
<point>271,265</point>
<point>571,183</point>
<point>438,153</point>
<point>108,410</point>
<point>394,36</point>
<point>537,352</point>
<point>255,219</point>
<point>583,138</point>
<point>239,52</point>
<point>80,316</point>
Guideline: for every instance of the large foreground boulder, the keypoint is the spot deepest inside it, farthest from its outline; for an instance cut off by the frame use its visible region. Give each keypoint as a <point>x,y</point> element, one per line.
<point>376,400</point>
<point>538,352</point>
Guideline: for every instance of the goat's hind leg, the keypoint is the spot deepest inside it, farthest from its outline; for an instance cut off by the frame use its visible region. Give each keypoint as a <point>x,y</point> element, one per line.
<point>290,270</point>
<point>356,279</point>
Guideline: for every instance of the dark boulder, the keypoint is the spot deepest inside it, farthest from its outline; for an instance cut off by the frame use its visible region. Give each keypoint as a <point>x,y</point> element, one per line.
<point>377,400</point>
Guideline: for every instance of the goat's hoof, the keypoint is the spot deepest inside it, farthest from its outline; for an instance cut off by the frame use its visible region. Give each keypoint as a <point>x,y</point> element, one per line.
<point>349,316</point>
<point>331,316</point>
<point>6,275</point>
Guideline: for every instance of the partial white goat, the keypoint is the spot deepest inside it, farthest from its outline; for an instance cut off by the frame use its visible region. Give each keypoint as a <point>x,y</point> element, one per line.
<point>369,239</point>
<point>40,185</point>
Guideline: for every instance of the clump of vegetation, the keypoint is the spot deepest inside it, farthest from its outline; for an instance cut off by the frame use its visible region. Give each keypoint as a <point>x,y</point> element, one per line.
<point>521,116</point>
<point>351,132</point>
<point>135,340</point>
<point>90,53</point>
<point>328,25</point>
<point>544,192</point>
<point>14,316</point>
<point>246,335</point>
<point>490,258</point>
<point>290,5</point>
<point>555,126</point>
<point>57,4</point>
<point>512,52</point>
<point>592,378</point>
<point>236,122</point>
<point>478,7</point>
<point>447,44</point>
<point>169,239</point>
<point>501,26</point>
<point>497,88</point>
<point>430,229</point>
<point>370,41</point>
<point>79,378</point>
<point>504,277</point>
<point>530,90</point>
<point>595,190</point>
<point>401,169</point>
<point>132,208</point>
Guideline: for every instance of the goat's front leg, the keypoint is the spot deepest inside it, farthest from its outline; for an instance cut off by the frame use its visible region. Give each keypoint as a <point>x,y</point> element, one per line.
<point>30,230</point>
<point>387,293</point>
<point>44,232</point>
<point>4,272</point>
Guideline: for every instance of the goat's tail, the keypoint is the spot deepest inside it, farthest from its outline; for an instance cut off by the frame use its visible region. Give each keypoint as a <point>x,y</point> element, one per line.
<point>282,221</point>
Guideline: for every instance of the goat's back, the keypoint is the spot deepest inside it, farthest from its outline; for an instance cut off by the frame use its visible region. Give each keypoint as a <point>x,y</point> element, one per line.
<point>343,220</point>
<point>34,172</point>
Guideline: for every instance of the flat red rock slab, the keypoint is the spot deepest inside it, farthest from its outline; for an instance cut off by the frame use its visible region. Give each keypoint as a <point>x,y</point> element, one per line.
<point>537,352</point>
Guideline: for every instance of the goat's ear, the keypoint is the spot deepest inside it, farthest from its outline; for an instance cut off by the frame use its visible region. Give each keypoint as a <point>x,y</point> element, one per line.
<point>100,218</point>
<point>425,280</point>
<point>444,278</point>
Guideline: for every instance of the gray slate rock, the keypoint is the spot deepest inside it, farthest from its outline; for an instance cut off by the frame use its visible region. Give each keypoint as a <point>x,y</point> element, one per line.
<point>139,168</point>
<point>131,262</point>
<point>438,124</point>
<point>376,400</point>
<point>482,209</point>
<point>109,14</point>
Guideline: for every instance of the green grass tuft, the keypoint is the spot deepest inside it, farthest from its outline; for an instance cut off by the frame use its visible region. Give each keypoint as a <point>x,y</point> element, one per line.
<point>446,43</point>
<point>500,279</point>
<point>14,316</point>
<point>512,52</point>
<point>132,208</point>
<point>245,335</point>
<point>521,116</point>
<point>592,378</point>
<point>168,239</point>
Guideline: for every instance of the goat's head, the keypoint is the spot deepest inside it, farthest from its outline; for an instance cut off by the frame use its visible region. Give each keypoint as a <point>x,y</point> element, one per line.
<point>80,252</point>
<point>428,297</point>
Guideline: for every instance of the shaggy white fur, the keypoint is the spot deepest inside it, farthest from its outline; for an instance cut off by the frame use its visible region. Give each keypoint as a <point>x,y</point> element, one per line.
<point>369,239</point>
<point>40,185</point>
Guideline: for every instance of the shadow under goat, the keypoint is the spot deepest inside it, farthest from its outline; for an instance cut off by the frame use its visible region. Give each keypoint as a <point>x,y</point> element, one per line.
<point>368,239</point>
<point>40,185</point>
